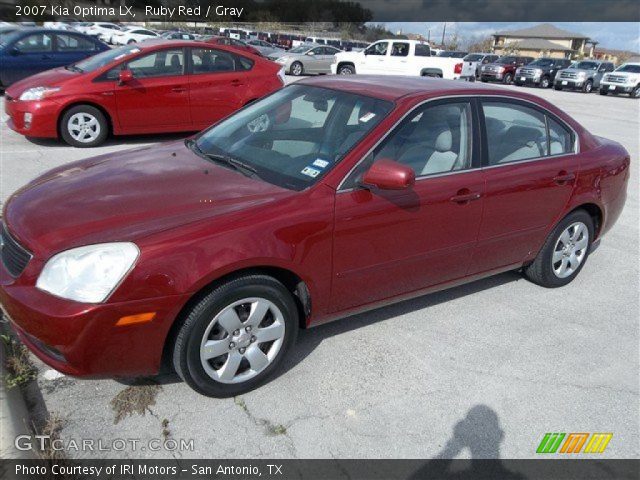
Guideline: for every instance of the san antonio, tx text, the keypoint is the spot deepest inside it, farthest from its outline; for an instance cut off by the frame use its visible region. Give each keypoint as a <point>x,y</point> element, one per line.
<point>141,469</point>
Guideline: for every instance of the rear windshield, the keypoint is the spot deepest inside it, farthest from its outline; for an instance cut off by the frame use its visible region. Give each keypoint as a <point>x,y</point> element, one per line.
<point>474,57</point>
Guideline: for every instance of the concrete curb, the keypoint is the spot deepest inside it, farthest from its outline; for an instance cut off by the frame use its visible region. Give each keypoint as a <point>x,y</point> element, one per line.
<point>14,416</point>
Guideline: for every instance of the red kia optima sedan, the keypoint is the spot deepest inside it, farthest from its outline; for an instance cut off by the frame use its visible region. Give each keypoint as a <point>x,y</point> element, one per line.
<point>151,87</point>
<point>328,197</point>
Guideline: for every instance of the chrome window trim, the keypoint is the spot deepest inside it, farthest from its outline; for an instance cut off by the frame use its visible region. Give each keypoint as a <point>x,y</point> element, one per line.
<point>576,140</point>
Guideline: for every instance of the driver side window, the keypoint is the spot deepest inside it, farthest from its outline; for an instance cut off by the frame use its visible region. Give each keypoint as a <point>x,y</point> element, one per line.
<point>379,48</point>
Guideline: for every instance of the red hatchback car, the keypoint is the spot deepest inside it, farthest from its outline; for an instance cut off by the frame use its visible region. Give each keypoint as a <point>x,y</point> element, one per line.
<point>152,87</point>
<point>330,196</point>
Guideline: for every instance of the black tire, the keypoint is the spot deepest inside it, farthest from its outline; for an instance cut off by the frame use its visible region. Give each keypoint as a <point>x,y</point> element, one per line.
<point>508,78</point>
<point>186,349</point>
<point>545,82</point>
<point>602,91</point>
<point>557,87</point>
<point>296,67</point>
<point>89,110</point>
<point>346,70</point>
<point>131,41</point>
<point>588,86</point>
<point>635,93</point>
<point>540,271</point>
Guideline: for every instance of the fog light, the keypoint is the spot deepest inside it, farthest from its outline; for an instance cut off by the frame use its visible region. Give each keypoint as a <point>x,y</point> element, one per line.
<point>27,120</point>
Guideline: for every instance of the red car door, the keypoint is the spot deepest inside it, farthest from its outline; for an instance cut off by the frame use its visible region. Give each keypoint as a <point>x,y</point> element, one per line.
<point>387,242</point>
<point>529,180</point>
<point>217,84</point>
<point>158,95</point>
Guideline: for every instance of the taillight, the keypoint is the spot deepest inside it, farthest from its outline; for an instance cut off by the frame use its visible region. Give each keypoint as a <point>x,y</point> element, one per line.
<point>457,68</point>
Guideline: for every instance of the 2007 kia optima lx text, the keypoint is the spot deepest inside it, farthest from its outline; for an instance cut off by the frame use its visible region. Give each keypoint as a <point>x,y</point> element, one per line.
<point>327,197</point>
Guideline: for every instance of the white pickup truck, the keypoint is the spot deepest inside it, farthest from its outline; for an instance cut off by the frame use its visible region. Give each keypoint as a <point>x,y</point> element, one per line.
<point>397,57</point>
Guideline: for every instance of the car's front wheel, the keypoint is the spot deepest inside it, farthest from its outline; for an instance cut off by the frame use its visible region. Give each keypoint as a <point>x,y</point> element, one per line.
<point>588,86</point>
<point>296,69</point>
<point>545,82</point>
<point>636,92</point>
<point>346,70</point>
<point>84,126</point>
<point>564,253</point>
<point>235,337</point>
<point>508,78</point>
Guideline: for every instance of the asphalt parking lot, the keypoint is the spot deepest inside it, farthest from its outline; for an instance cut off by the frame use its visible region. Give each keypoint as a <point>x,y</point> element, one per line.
<point>483,370</point>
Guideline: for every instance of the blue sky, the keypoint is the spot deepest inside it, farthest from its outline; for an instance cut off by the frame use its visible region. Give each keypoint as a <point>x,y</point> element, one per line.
<point>621,36</point>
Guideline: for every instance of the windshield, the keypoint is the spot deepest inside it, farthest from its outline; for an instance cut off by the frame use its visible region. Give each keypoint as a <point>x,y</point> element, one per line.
<point>473,58</point>
<point>294,136</point>
<point>7,35</point>
<point>505,60</point>
<point>301,49</point>
<point>542,62</point>
<point>586,66</point>
<point>631,68</point>
<point>105,58</point>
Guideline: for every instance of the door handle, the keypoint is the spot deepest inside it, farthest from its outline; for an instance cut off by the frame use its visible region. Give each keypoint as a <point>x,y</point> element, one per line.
<point>236,82</point>
<point>178,89</point>
<point>564,177</point>
<point>464,196</point>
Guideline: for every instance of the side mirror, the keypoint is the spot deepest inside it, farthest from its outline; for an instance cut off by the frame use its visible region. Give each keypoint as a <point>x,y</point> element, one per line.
<point>125,76</point>
<point>387,174</point>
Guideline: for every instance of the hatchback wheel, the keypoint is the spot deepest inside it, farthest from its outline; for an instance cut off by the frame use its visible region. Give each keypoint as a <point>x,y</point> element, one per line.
<point>346,70</point>
<point>235,337</point>
<point>564,253</point>
<point>84,126</point>
<point>296,69</point>
<point>588,86</point>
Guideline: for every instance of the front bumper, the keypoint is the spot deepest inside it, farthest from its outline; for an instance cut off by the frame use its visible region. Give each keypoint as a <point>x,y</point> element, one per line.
<point>570,84</point>
<point>616,87</point>
<point>44,117</point>
<point>83,339</point>
<point>526,80</point>
<point>491,76</point>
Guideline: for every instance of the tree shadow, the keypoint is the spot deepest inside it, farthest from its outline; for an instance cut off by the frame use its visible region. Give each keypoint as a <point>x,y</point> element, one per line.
<point>480,433</point>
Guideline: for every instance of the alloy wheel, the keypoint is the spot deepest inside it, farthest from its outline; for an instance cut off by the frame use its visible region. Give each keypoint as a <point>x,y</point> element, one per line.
<point>636,92</point>
<point>570,250</point>
<point>242,340</point>
<point>296,69</point>
<point>544,83</point>
<point>83,127</point>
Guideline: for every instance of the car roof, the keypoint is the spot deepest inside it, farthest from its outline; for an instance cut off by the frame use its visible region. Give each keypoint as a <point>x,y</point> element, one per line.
<point>396,87</point>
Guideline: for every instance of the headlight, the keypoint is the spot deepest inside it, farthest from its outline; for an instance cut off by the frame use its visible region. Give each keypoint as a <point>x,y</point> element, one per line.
<point>582,74</point>
<point>88,274</point>
<point>281,60</point>
<point>538,71</point>
<point>501,69</point>
<point>38,93</point>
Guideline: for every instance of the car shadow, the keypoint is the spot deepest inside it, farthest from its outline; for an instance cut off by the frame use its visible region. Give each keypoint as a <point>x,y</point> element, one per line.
<point>480,433</point>
<point>310,339</point>
<point>111,141</point>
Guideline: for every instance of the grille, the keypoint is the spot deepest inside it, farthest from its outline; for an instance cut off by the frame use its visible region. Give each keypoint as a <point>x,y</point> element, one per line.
<point>616,79</point>
<point>528,72</point>
<point>14,256</point>
<point>568,75</point>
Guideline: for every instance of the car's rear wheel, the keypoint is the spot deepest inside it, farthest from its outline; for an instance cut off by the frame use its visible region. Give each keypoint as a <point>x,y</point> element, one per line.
<point>564,253</point>
<point>296,69</point>
<point>588,86</point>
<point>235,337</point>
<point>84,126</point>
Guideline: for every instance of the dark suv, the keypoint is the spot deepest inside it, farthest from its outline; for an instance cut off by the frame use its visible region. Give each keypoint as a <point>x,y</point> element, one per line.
<point>504,69</point>
<point>540,72</point>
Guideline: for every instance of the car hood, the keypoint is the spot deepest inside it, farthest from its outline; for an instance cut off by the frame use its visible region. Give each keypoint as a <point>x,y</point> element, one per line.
<point>578,70</point>
<point>128,195</point>
<point>48,78</point>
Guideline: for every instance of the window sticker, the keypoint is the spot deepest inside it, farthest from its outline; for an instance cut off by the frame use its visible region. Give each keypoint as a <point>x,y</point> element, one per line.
<point>366,117</point>
<point>320,163</point>
<point>310,172</point>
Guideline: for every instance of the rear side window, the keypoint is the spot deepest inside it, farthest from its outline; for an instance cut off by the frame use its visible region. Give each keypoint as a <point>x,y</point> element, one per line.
<point>158,64</point>
<point>422,50</point>
<point>514,132</point>
<point>560,139</point>
<point>73,43</point>
<point>399,49</point>
<point>39,42</point>
<point>211,60</point>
